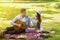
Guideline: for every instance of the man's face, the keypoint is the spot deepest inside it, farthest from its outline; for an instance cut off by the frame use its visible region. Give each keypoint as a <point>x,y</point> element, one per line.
<point>24,13</point>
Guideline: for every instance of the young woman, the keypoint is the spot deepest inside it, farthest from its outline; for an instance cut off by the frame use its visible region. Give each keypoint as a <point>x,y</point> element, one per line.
<point>37,21</point>
<point>37,24</point>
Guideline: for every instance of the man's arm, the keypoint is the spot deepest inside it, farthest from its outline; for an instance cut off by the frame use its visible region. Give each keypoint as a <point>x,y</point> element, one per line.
<point>13,21</point>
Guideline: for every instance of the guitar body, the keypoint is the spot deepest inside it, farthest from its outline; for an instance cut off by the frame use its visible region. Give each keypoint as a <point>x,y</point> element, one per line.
<point>23,25</point>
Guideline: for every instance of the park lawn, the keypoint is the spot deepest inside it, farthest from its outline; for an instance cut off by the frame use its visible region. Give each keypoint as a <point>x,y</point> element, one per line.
<point>50,16</point>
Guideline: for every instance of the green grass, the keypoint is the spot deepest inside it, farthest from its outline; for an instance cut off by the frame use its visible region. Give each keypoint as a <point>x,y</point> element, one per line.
<point>7,13</point>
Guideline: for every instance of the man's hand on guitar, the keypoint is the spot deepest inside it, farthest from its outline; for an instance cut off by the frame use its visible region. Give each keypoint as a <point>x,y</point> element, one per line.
<point>19,25</point>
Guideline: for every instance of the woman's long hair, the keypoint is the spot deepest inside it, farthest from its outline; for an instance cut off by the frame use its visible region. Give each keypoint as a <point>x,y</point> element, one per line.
<point>39,20</point>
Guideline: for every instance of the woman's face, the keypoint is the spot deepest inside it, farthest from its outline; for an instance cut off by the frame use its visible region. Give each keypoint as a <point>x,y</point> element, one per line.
<point>35,15</point>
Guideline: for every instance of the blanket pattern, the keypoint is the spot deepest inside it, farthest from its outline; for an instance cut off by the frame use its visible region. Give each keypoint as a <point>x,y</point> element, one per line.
<point>23,35</point>
<point>30,34</point>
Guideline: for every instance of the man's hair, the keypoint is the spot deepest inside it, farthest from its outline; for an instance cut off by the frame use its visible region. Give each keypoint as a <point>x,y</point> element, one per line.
<point>23,9</point>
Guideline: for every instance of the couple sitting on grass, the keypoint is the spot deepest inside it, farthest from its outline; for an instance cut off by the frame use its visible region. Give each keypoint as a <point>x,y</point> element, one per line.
<point>24,18</point>
<point>23,26</point>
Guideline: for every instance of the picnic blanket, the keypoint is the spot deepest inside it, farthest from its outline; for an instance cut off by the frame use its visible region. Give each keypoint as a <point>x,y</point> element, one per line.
<point>30,34</point>
<point>23,35</point>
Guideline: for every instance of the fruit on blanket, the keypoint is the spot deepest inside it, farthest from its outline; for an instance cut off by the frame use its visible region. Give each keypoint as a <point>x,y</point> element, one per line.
<point>37,35</point>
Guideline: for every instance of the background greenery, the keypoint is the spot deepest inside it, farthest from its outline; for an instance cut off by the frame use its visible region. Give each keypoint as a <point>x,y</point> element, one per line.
<point>49,9</point>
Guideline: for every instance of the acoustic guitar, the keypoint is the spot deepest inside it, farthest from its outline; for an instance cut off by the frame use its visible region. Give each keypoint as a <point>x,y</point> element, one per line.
<point>23,25</point>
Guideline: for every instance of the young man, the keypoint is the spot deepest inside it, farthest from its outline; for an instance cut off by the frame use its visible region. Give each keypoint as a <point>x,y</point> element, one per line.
<point>22,17</point>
